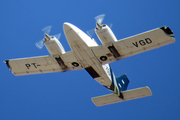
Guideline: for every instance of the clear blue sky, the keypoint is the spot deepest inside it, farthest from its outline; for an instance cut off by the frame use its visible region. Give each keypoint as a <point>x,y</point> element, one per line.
<point>67,96</point>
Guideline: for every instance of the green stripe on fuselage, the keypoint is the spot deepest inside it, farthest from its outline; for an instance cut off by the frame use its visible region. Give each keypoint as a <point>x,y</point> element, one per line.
<point>113,79</point>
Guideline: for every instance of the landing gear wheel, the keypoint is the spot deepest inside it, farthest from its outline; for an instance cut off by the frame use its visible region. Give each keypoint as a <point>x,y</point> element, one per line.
<point>103,58</point>
<point>75,64</point>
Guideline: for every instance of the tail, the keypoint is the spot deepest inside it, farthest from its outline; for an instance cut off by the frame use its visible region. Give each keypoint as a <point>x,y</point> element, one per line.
<point>118,84</point>
<point>118,87</point>
<point>128,95</point>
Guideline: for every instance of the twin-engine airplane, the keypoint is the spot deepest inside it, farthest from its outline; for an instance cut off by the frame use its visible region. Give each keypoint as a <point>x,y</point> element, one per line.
<point>87,54</point>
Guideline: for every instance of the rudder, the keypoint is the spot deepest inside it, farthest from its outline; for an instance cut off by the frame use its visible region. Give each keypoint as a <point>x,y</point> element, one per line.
<point>122,82</point>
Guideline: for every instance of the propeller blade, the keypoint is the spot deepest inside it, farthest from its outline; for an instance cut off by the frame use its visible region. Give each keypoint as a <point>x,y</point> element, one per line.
<point>47,29</point>
<point>99,19</point>
<point>58,36</point>
<point>39,44</point>
<point>110,25</point>
<point>90,33</point>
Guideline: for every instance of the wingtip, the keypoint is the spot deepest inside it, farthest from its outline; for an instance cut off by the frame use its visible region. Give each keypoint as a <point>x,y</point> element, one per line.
<point>7,63</point>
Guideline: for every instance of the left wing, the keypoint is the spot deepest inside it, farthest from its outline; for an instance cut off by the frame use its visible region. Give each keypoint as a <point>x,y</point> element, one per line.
<point>134,45</point>
<point>43,64</point>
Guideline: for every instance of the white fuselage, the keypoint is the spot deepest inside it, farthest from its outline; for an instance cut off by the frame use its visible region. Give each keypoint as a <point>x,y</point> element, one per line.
<point>81,44</point>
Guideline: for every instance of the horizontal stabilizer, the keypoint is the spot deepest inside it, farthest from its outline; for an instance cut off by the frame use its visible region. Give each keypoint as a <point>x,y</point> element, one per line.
<point>127,95</point>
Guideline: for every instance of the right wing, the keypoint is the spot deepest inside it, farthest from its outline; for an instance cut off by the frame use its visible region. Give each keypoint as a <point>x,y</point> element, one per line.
<point>43,64</point>
<point>134,45</point>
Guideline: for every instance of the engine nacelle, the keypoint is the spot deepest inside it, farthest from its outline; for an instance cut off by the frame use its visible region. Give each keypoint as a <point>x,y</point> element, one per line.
<point>105,34</point>
<point>54,46</point>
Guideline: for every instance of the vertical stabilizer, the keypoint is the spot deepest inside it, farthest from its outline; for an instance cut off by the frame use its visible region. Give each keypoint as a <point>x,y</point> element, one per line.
<point>122,82</point>
<point>118,84</point>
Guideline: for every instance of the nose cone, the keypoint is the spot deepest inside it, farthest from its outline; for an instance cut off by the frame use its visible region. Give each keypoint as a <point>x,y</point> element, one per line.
<point>70,27</point>
<point>67,26</point>
<point>75,36</point>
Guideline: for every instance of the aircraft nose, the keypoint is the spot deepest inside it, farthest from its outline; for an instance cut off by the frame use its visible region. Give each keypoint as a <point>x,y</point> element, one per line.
<point>67,26</point>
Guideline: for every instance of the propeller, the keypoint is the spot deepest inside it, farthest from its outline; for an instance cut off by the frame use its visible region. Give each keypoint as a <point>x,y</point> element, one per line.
<point>58,36</point>
<point>99,19</point>
<point>46,31</point>
<point>39,44</point>
<point>90,33</point>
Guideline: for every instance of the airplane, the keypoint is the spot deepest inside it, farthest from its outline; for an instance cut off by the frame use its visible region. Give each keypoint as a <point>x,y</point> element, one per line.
<point>87,54</point>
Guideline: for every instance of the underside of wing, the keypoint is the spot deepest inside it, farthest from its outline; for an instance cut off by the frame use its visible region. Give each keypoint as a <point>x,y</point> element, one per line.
<point>43,64</point>
<point>134,45</point>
